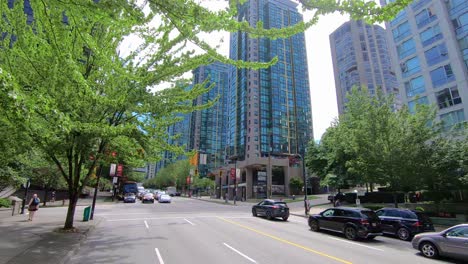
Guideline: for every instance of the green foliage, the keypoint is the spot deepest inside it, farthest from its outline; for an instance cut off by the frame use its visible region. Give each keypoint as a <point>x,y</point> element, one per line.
<point>203,183</point>
<point>296,185</point>
<point>173,175</point>
<point>68,91</point>
<point>4,202</point>
<point>371,143</point>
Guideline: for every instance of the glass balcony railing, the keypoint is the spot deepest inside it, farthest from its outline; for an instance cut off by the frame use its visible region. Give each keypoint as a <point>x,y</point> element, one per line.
<point>419,4</point>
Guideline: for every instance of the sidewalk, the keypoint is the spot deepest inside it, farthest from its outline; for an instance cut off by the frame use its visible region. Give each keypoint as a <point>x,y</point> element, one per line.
<point>38,241</point>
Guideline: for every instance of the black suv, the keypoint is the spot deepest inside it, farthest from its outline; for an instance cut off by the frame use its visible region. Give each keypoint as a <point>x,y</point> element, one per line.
<point>404,223</point>
<point>354,223</point>
<point>271,209</point>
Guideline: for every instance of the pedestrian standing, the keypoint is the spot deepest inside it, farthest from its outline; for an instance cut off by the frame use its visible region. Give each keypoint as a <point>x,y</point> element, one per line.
<point>33,206</point>
<point>53,197</point>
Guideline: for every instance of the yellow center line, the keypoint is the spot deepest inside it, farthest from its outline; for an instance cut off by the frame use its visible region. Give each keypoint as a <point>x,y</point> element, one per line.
<point>286,241</point>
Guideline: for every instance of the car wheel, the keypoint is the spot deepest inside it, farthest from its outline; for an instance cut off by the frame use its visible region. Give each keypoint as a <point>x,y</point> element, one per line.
<point>268,215</point>
<point>314,225</point>
<point>350,233</point>
<point>254,212</point>
<point>403,234</point>
<point>429,250</point>
<point>285,218</point>
<point>370,237</point>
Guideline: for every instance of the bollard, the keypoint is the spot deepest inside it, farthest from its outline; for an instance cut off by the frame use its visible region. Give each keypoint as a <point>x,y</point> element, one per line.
<point>13,205</point>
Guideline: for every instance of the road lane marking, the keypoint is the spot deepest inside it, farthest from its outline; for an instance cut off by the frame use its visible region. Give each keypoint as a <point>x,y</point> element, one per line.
<point>357,244</point>
<point>146,224</point>
<point>286,241</point>
<point>174,217</point>
<point>189,222</point>
<point>159,256</point>
<point>240,253</point>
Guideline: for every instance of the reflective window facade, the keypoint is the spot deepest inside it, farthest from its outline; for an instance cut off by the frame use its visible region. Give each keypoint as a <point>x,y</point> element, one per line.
<point>269,109</point>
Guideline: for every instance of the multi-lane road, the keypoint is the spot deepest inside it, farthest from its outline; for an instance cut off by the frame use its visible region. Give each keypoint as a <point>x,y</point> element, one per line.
<point>193,231</point>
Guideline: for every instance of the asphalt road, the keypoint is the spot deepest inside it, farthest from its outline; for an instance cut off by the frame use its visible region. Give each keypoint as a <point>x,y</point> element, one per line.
<point>193,231</point>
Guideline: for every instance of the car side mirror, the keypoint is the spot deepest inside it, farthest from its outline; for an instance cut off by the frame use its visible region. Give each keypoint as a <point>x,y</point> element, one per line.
<point>444,235</point>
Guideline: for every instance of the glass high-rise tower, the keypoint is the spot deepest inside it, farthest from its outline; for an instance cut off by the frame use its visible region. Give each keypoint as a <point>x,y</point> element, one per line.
<point>269,110</point>
<point>209,126</point>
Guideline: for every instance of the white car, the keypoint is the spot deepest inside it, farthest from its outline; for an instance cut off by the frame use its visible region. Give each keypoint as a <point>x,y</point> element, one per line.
<point>164,198</point>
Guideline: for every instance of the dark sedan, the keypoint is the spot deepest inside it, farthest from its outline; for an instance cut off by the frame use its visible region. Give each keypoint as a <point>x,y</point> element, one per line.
<point>354,223</point>
<point>271,209</point>
<point>452,242</point>
<point>404,223</point>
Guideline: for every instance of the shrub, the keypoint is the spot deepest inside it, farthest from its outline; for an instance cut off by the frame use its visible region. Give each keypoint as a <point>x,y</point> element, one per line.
<point>4,202</point>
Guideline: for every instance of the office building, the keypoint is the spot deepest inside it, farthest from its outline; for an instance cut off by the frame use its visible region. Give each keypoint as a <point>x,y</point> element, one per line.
<point>269,110</point>
<point>429,41</point>
<point>361,58</point>
<point>208,126</point>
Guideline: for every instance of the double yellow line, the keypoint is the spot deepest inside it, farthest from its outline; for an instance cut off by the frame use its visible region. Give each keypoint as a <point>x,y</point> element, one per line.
<point>286,241</point>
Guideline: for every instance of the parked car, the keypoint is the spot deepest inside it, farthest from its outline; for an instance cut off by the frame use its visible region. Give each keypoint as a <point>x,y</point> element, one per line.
<point>404,223</point>
<point>354,223</point>
<point>159,194</point>
<point>452,242</point>
<point>148,197</point>
<point>164,198</point>
<point>271,209</point>
<point>129,198</point>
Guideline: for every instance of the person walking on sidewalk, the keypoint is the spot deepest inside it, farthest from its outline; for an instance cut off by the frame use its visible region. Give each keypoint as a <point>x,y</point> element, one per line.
<point>33,206</point>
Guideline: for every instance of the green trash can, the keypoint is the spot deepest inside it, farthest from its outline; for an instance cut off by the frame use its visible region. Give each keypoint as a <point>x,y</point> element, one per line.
<point>86,213</point>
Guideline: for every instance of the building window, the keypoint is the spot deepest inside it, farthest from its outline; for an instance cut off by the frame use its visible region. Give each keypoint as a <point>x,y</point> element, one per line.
<point>442,75</point>
<point>436,54</point>
<point>461,24</point>
<point>453,118</point>
<point>399,17</point>
<point>410,67</point>
<point>430,35</point>
<point>448,97</point>
<point>406,48</point>
<point>413,104</point>
<point>425,17</point>
<point>415,86</point>
<point>401,31</point>
<point>464,49</point>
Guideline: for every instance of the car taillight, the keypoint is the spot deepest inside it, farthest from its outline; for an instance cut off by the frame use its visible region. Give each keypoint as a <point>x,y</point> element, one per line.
<point>275,207</point>
<point>364,222</point>
<point>418,224</point>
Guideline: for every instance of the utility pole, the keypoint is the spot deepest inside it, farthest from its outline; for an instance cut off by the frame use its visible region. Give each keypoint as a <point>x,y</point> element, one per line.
<point>306,201</point>
<point>23,204</point>
<point>95,192</point>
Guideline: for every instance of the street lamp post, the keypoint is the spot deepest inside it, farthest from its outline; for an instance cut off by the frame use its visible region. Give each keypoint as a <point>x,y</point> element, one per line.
<point>306,202</point>
<point>95,193</point>
<point>23,204</point>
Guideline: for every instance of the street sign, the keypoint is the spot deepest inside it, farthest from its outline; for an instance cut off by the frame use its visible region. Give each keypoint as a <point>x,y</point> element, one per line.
<point>114,180</point>
<point>238,173</point>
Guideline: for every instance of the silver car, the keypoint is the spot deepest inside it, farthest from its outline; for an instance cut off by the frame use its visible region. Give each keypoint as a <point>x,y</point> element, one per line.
<point>452,242</point>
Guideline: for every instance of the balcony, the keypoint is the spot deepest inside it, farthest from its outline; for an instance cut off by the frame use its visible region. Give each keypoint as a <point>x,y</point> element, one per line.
<point>457,10</point>
<point>419,4</point>
<point>426,21</point>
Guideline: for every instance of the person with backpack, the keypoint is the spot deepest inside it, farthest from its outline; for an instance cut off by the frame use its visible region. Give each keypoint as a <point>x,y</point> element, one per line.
<point>33,206</point>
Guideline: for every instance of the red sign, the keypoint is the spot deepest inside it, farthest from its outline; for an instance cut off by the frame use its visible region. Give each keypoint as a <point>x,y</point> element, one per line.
<point>119,170</point>
<point>188,180</point>
<point>233,173</point>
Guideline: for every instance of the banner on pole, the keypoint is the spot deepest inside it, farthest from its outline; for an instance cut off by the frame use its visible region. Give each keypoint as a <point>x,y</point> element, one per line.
<point>113,167</point>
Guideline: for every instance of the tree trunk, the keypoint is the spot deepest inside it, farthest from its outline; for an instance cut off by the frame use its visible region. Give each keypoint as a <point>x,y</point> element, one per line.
<point>395,199</point>
<point>44,202</point>
<point>71,210</point>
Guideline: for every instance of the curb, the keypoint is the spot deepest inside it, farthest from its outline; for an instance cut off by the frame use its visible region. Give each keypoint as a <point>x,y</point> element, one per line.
<point>67,258</point>
<point>212,201</point>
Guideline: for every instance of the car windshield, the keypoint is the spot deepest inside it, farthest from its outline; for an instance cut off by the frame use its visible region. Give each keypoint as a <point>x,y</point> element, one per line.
<point>423,217</point>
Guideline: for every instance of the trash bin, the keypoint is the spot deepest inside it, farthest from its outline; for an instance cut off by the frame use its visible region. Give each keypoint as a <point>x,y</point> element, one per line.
<point>86,213</point>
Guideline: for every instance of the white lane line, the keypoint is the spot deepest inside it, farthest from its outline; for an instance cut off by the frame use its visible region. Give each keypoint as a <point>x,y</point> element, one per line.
<point>189,222</point>
<point>173,217</point>
<point>240,253</point>
<point>146,224</point>
<point>357,244</point>
<point>159,256</point>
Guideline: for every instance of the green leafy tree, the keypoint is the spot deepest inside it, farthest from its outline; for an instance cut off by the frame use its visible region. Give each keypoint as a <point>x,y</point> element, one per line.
<point>69,89</point>
<point>296,185</point>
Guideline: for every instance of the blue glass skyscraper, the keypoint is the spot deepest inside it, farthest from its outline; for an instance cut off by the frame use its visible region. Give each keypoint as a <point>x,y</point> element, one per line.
<point>208,126</point>
<point>269,112</point>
